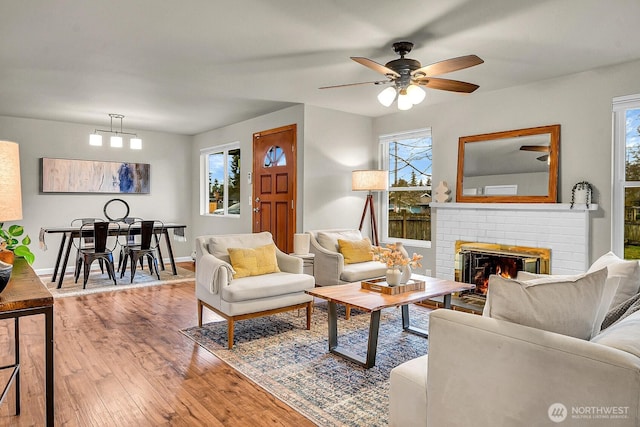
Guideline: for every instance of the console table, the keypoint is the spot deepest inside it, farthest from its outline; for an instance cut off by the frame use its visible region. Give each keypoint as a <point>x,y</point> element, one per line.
<point>26,295</point>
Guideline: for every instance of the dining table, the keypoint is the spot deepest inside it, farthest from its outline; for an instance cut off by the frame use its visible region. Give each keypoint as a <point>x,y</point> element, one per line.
<point>71,232</point>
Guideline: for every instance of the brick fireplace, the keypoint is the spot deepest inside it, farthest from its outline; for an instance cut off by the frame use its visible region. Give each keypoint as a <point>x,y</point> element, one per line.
<point>553,226</point>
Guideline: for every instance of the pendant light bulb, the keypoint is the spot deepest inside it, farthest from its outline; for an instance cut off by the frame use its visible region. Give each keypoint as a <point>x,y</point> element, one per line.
<point>416,94</point>
<point>404,102</point>
<point>116,141</point>
<point>95,139</point>
<point>387,96</point>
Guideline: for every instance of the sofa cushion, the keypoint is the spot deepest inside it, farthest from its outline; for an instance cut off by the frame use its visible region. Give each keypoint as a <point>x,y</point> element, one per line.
<point>362,271</point>
<point>567,306</point>
<point>624,335</point>
<point>266,285</point>
<point>329,239</point>
<point>355,251</point>
<point>627,273</point>
<point>254,261</point>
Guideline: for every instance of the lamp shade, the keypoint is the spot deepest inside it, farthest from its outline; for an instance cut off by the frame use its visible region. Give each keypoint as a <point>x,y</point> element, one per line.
<point>10,190</point>
<point>369,180</point>
<point>116,141</point>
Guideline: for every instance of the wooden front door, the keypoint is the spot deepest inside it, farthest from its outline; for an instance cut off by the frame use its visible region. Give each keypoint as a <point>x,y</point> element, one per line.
<point>274,184</point>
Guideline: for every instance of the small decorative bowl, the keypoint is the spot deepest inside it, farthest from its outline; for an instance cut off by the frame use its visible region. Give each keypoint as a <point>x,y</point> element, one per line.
<point>5,274</point>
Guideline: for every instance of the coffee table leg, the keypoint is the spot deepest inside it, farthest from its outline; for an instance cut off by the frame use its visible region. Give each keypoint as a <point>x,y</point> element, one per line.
<point>406,324</point>
<point>372,345</point>
<point>447,301</point>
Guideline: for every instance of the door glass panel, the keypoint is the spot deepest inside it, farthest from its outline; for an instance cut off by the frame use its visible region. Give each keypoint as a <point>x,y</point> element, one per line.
<point>275,157</point>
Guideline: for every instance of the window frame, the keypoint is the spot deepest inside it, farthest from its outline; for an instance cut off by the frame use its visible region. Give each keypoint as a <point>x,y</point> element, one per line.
<point>223,149</point>
<point>384,162</point>
<point>618,169</point>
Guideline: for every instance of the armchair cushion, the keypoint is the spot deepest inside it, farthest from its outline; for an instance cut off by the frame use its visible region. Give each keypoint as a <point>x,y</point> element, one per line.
<point>253,261</point>
<point>568,306</point>
<point>355,251</point>
<point>266,286</point>
<point>329,239</point>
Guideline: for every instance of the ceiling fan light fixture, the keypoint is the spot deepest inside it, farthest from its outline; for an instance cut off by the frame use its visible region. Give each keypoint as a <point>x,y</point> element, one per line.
<point>387,96</point>
<point>416,94</point>
<point>404,102</point>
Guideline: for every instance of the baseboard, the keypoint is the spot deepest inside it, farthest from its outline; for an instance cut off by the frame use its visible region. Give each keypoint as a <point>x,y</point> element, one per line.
<point>96,266</point>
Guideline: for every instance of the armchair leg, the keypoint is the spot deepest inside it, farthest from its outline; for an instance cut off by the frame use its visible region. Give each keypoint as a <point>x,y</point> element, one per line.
<point>230,333</point>
<point>347,314</point>
<point>200,307</point>
<point>309,311</point>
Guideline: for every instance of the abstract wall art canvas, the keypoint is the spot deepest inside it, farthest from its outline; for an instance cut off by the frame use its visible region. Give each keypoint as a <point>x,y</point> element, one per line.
<point>91,176</point>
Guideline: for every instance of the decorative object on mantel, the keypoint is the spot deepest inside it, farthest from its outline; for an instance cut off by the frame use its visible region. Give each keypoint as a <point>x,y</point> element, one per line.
<point>370,180</point>
<point>115,141</point>
<point>395,256</point>
<point>582,193</point>
<point>443,192</point>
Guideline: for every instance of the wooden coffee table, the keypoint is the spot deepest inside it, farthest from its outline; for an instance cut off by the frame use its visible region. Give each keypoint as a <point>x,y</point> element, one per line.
<point>353,295</point>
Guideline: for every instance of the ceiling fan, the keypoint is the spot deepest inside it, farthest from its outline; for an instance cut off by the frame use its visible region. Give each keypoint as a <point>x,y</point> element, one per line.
<point>537,148</point>
<point>407,75</point>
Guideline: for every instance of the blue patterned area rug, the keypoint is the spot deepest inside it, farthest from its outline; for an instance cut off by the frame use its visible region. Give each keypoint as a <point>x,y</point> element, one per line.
<point>294,364</point>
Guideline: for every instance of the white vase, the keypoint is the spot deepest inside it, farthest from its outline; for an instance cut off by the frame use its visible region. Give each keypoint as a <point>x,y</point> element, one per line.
<point>393,276</point>
<point>406,274</point>
<point>580,196</point>
<point>301,243</point>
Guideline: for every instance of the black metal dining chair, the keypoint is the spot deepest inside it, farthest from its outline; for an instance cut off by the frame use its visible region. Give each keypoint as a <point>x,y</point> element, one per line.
<point>100,250</point>
<point>146,234</point>
<point>130,241</point>
<point>86,242</point>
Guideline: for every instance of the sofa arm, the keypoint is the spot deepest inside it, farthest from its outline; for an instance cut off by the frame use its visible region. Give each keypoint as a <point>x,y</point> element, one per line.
<point>289,263</point>
<point>328,265</point>
<point>488,372</point>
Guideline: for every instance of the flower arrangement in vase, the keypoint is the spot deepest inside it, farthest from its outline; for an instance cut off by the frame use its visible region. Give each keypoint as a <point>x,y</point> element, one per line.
<point>396,258</point>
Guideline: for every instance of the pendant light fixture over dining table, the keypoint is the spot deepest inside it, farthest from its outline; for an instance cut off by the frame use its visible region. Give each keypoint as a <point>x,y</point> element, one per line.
<point>115,141</point>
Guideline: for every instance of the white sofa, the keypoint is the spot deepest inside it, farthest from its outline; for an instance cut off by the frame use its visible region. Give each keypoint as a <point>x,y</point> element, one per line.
<point>330,268</point>
<point>247,297</point>
<point>487,372</point>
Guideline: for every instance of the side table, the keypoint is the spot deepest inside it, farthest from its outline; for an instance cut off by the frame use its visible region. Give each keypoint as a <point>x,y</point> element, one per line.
<point>308,262</point>
<point>26,295</point>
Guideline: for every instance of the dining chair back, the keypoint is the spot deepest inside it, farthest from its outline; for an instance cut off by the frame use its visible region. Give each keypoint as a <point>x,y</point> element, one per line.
<point>86,241</point>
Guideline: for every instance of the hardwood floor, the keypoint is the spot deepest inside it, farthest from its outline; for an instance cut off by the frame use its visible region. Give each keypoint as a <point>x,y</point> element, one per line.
<point>120,360</point>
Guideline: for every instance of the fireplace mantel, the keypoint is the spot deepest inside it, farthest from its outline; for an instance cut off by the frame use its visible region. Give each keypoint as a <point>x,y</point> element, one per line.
<point>555,226</point>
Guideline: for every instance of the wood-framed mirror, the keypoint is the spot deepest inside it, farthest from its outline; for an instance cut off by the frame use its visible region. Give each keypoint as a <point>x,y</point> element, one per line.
<point>515,166</point>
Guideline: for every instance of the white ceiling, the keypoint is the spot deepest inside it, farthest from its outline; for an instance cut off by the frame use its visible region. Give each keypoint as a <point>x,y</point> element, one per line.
<point>193,65</point>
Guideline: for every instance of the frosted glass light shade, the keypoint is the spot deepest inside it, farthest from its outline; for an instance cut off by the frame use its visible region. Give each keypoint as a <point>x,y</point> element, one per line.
<point>135,144</point>
<point>116,141</point>
<point>404,102</point>
<point>387,96</point>
<point>10,190</point>
<point>369,180</point>
<point>416,94</point>
<point>95,139</point>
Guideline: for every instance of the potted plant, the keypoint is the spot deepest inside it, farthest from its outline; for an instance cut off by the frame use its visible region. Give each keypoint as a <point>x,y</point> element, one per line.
<point>396,258</point>
<point>10,241</point>
<point>582,192</point>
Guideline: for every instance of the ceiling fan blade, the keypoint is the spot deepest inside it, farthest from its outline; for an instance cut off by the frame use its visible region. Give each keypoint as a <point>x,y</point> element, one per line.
<point>446,84</point>
<point>543,158</point>
<point>377,82</point>
<point>539,148</point>
<point>448,65</point>
<point>375,66</point>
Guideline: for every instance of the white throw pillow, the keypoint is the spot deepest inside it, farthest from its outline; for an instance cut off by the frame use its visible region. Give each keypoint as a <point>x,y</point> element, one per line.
<point>610,286</point>
<point>627,272</point>
<point>329,239</point>
<point>567,306</point>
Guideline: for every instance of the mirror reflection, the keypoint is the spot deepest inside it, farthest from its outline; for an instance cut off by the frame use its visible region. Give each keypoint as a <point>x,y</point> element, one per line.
<point>511,166</point>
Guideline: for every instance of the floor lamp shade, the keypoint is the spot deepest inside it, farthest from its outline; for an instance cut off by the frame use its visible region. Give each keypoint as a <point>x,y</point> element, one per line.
<point>10,189</point>
<point>369,180</point>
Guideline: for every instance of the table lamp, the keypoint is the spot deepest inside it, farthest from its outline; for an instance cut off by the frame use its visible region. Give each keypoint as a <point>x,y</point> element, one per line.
<point>370,180</point>
<point>10,195</point>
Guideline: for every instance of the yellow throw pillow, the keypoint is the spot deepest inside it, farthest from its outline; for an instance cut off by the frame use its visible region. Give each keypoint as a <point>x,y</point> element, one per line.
<point>254,261</point>
<point>355,251</point>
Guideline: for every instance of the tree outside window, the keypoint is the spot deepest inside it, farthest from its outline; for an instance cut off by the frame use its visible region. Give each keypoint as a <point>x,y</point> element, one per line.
<point>222,181</point>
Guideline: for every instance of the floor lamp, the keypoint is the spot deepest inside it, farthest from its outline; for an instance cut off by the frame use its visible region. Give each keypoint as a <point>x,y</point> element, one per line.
<point>370,180</point>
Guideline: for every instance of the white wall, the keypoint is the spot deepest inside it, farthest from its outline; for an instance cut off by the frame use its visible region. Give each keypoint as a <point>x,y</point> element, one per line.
<point>580,103</point>
<point>167,154</point>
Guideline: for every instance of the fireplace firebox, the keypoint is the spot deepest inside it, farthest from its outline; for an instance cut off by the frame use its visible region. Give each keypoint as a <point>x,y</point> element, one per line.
<point>477,261</point>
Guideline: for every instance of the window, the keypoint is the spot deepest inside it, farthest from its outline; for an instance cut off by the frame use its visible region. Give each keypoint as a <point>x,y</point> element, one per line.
<point>221,180</point>
<point>626,177</point>
<point>406,215</point>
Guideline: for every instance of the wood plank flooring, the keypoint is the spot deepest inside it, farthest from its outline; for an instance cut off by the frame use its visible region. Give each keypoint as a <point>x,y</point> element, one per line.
<point>120,360</point>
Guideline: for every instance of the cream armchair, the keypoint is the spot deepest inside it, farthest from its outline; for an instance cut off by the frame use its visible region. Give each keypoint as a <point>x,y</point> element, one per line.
<point>330,268</point>
<point>247,297</point>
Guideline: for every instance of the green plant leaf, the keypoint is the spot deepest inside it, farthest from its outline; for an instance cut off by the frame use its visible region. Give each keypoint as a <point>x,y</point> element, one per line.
<point>26,240</point>
<point>16,230</point>
<point>26,253</point>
